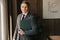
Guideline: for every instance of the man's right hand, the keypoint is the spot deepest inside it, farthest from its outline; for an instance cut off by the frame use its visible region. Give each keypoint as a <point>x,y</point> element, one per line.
<point>21,32</point>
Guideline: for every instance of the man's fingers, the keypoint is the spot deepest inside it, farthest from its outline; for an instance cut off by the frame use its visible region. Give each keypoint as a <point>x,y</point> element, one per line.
<point>21,32</point>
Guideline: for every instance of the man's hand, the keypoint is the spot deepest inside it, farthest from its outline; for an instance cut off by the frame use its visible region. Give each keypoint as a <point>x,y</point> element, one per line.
<point>21,32</point>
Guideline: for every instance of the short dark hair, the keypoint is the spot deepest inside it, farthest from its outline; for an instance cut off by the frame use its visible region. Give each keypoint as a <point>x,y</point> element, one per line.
<point>26,2</point>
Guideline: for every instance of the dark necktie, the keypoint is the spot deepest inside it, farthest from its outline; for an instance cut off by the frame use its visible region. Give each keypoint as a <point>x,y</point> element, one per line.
<point>23,17</point>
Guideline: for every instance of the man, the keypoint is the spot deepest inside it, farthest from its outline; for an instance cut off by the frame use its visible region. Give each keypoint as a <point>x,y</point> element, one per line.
<point>25,15</point>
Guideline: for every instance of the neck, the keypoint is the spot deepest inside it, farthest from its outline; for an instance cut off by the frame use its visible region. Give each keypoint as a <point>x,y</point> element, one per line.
<point>24,12</point>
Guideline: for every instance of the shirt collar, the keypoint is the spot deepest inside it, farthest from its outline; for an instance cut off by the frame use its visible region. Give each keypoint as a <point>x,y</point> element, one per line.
<point>25,13</point>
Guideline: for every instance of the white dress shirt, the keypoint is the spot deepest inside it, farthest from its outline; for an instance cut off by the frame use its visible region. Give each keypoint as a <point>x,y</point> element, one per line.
<point>24,14</point>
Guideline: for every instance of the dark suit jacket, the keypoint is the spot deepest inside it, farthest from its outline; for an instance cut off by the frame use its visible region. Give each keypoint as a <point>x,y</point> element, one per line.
<point>29,32</point>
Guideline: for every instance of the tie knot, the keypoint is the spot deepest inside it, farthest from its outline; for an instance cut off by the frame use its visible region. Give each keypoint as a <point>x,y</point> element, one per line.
<point>23,15</point>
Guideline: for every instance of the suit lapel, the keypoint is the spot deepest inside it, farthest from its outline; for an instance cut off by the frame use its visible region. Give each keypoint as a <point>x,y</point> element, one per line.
<point>20,16</point>
<point>27,16</point>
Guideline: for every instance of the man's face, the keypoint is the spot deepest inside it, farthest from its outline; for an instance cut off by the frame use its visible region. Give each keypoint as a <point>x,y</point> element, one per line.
<point>24,8</point>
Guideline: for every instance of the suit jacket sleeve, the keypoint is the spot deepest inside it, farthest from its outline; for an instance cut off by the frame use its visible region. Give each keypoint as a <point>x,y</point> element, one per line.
<point>15,33</point>
<point>34,27</point>
<point>16,29</point>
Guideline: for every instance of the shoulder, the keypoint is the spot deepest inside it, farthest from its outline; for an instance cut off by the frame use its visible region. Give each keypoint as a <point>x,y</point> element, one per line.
<point>31,14</point>
<point>18,17</point>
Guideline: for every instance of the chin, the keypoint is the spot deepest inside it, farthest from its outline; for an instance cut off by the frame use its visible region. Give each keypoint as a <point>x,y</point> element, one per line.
<point>23,12</point>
